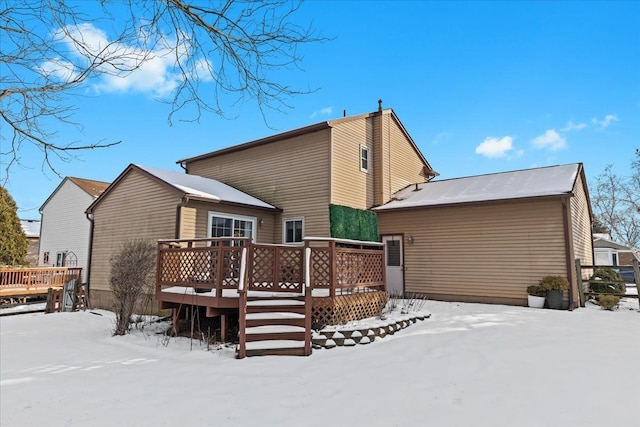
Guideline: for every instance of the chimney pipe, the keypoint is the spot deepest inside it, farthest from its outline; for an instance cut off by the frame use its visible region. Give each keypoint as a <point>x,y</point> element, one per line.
<point>380,105</point>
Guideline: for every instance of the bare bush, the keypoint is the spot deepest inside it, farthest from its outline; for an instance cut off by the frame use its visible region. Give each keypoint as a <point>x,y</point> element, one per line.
<point>131,280</point>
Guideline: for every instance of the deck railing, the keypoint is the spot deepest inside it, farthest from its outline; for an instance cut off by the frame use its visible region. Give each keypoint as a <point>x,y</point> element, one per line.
<point>18,277</point>
<point>208,264</point>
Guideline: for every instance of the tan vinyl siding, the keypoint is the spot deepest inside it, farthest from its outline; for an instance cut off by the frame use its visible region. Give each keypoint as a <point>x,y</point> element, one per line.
<point>265,232</point>
<point>581,225</point>
<point>405,165</point>
<point>292,174</point>
<point>487,253</point>
<point>351,186</point>
<point>138,208</point>
<point>187,222</point>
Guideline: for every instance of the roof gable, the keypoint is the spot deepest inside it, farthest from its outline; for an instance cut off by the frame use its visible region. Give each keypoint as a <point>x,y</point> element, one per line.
<point>309,129</point>
<point>89,186</point>
<point>193,187</point>
<point>528,183</point>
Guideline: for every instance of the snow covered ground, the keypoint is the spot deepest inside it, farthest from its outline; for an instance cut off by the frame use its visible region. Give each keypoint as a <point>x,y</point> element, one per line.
<point>468,365</point>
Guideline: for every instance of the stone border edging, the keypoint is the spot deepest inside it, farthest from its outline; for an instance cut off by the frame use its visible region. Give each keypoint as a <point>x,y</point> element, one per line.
<point>349,336</point>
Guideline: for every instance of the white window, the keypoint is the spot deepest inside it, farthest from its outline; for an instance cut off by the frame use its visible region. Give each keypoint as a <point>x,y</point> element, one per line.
<point>293,230</point>
<point>364,158</point>
<point>45,258</point>
<point>227,225</point>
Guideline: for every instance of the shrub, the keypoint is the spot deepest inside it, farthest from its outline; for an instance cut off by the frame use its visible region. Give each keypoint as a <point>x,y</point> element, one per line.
<point>606,274</point>
<point>536,291</point>
<point>554,283</point>
<point>608,302</point>
<point>132,276</point>
<point>610,282</point>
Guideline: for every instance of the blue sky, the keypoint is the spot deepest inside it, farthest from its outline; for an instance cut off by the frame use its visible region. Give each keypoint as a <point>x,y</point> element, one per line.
<point>481,87</point>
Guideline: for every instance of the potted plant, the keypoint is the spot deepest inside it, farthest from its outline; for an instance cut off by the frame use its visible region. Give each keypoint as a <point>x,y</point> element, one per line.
<point>536,296</point>
<point>555,287</point>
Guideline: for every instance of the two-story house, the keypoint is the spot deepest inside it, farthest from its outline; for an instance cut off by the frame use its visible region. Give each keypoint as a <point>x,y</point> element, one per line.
<point>319,180</point>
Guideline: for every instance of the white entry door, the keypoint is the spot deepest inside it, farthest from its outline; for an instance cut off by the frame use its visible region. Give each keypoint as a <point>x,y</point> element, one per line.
<point>394,264</point>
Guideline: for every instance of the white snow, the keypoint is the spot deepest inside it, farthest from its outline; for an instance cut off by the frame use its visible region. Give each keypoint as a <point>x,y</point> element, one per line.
<point>545,181</point>
<point>468,365</point>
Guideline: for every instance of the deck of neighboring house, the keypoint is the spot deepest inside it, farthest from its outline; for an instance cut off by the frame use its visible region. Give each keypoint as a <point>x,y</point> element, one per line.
<point>20,282</point>
<point>278,291</point>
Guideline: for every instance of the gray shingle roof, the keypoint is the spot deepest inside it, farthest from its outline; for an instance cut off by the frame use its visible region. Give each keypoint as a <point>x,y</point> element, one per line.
<point>539,182</point>
<point>206,188</point>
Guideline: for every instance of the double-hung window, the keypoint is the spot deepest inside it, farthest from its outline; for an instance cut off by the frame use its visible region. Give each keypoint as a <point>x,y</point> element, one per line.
<point>293,230</point>
<point>364,158</point>
<point>227,225</point>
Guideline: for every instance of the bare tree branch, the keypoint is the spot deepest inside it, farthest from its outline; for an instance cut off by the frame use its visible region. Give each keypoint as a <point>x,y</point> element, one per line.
<point>217,54</point>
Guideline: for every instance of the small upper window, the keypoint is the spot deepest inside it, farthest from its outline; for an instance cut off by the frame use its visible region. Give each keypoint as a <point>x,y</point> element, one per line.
<point>364,158</point>
<point>293,231</point>
<point>45,258</point>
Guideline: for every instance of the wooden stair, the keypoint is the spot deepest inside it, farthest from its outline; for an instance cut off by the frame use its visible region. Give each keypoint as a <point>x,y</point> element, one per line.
<point>275,325</point>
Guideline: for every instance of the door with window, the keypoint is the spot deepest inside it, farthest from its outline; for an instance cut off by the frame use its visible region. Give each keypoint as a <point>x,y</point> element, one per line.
<point>394,264</point>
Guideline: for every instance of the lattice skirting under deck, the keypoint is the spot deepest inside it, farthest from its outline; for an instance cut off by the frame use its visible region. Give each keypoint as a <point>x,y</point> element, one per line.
<point>347,308</point>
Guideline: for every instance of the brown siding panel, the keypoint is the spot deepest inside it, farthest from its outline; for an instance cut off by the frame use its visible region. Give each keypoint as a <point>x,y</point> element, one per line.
<point>138,208</point>
<point>581,225</point>
<point>292,174</point>
<point>487,253</point>
<point>351,186</point>
<point>405,164</point>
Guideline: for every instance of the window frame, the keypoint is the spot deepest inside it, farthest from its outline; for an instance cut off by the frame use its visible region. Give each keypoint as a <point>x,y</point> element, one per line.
<point>284,231</point>
<point>233,217</point>
<point>367,158</point>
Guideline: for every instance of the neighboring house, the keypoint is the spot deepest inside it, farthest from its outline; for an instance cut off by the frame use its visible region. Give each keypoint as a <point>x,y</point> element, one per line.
<point>31,228</point>
<point>486,238</point>
<point>608,252</point>
<point>65,230</point>
<point>304,182</point>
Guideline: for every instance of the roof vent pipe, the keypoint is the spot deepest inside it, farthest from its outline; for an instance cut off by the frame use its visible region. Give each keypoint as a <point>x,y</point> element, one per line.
<point>344,113</point>
<point>417,188</point>
<point>380,105</point>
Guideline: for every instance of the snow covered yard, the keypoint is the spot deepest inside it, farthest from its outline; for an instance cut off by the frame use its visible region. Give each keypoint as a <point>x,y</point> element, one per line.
<point>468,365</point>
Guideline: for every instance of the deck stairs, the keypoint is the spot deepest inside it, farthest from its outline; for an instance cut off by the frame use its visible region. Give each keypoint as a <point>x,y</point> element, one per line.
<point>276,325</point>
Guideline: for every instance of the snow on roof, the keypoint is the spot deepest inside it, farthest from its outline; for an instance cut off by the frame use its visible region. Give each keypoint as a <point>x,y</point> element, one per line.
<point>31,227</point>
<point>548,181</point>
<point>205,187</point>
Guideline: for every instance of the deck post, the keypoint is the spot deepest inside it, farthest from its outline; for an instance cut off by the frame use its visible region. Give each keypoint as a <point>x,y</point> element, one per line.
<point>334,268</point>
<point>636,274</point>
<point>223,328</point>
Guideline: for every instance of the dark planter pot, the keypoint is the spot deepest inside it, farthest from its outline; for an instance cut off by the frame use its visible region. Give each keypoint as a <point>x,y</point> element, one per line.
<point>554,299</point>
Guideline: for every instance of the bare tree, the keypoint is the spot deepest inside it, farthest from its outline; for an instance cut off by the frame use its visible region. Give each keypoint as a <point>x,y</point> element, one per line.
<point>616,202</point>
<point>220,52</point>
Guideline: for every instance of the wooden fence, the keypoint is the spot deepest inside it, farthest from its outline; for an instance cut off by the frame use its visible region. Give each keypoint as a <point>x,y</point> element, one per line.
<point>585,272</point>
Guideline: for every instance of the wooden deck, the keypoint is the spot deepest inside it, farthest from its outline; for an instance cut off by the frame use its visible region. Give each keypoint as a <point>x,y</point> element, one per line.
<point>25,282</point>
<point>272,287</point>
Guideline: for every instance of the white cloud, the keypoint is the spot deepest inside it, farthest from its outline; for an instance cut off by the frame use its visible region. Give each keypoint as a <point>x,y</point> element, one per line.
<point>152,70</point>
<point>550,139</point>
<point>326,111</point>
<point>604,123</point>
<point>441,137</point>
<point>59,70</point>
<point>494,148</point>
<point>570,126</point>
